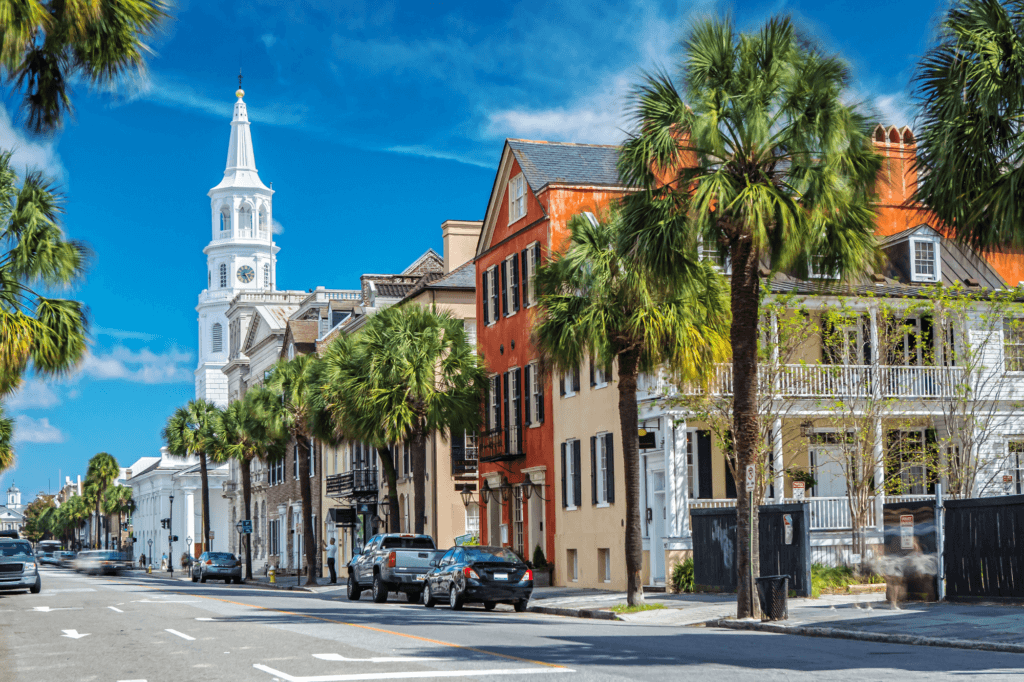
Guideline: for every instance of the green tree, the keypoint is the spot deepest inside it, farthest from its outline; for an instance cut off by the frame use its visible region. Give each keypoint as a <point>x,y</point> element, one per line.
<point>73,514</point>
<point>594,303</point>
<point>103,470</point>
<point>758,157</point>
<point>119,502</point>
<point>47,332</point>
<point>192,430</point>
<point>45,45</point>
<point>6,438</point>
<point>247,435</point>
<point>38,524</point>
<point>969,157</point>
<point>293,406</point>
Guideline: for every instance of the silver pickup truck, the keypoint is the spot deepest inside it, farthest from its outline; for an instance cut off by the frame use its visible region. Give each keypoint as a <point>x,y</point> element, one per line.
<point>392,562</point>
<point>18,567</point>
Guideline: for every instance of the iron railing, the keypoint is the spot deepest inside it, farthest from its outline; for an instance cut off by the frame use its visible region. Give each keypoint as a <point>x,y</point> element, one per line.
<point>356,483</point>
<point>501,444</point>
<point>464,460</point>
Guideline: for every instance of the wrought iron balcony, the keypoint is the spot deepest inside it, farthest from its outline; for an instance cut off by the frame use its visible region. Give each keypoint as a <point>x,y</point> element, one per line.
<point>499,445</point>
<point>464,460</point>
<point>354,484</point>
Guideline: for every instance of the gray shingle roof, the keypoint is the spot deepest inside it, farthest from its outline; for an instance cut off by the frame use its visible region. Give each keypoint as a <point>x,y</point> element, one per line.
<point>544,163</point>
<point>462,277</point>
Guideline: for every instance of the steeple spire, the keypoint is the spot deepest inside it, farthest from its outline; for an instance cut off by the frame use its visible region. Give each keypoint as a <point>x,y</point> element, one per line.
<point>240,169</point>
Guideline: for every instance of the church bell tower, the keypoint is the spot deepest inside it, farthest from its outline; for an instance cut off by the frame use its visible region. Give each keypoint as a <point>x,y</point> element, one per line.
<point>240,257</point>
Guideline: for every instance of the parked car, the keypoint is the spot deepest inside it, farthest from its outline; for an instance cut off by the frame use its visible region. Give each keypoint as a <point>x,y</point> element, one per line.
<point>99,562</point>
<point>391,562</point>
<point>219,565</point>
<point>19,569</point>
<point>487,575</point>
<point>65,558</point>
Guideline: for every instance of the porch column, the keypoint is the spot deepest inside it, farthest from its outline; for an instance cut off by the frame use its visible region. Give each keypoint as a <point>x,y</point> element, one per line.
<point>778,464</point>
<point>676,483</point>
<point>190,522</point>
<point>879,476</point>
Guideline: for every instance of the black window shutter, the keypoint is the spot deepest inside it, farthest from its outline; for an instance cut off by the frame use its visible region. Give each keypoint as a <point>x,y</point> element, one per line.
<point>592,382</point>
<point>565,500</point>
<point>577,483</point>
<point>504,395</point>
<point>515,281</point>
<point>866,332</point>
<point>730,482</point>
<point>519,396</point>
<point>593,469</point>
<point>540,396</point>
<point>486,296</point>
<point>828,340</point>
<point>458,445</point>
<point>523,262</point>
<point>495,310</point>
<point>536,257</point>
<point>705,488</point>
<point>527,397</point>
<point>561,384</point>
<point>609,456</point>
<point>576,379</point>
<point>504,287</point>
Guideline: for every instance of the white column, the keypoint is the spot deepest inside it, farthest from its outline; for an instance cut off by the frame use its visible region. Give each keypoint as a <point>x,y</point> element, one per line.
<point>778,464</point>
<point>190,520</point>
<point>676,482</point>
<point>879,476</point>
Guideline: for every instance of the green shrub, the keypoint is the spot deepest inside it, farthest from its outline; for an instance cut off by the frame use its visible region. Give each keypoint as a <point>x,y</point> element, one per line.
<point>538,558</point>
<point>682,576</point>
<point>837,578</point>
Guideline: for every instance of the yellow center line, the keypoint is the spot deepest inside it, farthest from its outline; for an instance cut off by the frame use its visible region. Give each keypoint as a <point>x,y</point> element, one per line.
<point>373,629</point>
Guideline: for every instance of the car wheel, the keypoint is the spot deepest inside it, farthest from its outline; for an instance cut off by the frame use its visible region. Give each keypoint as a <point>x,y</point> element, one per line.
<point>428,597</point>
<point>238,580</point>
<point>489,605</point>
<point>454,600</point>
<point>353,588</point>
<point>380,591</point>
<point>520,606</point>
<point>202,578</point>
<point>195,577</point>
<point>37,588</point>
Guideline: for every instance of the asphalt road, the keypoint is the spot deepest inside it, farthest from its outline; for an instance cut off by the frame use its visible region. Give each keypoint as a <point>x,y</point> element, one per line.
<point>125,628</point>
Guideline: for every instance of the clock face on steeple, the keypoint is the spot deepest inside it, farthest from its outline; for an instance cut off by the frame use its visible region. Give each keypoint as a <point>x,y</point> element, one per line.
<point>245,274</point>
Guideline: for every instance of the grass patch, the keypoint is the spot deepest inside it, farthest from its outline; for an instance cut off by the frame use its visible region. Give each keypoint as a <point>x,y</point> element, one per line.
<point>837,579</point>
<point>626,608</point>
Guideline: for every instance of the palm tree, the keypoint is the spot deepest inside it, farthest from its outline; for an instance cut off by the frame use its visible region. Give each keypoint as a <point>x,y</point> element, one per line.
<point>48,332</point>
<point>594,303</point>
<point>74,512</point>
<point>103,470</point>
<point>421,375</point>
<point>294,408</point>
<point>119,501</point>
<point>6,438</point>
<point>969,156</point>
<point>48,44</point>
<point>245,436</point>
<point>759,157</point>
<point>191,430</point>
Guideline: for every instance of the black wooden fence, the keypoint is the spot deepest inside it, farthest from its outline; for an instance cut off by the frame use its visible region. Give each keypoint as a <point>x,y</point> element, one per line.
<point>984,548</point>
<point>715,555</point>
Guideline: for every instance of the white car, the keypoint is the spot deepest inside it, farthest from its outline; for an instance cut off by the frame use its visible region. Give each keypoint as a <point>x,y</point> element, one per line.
<point>19,569</point>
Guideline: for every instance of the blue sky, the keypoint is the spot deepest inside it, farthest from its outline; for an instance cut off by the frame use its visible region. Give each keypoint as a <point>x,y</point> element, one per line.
<point>375,121</point>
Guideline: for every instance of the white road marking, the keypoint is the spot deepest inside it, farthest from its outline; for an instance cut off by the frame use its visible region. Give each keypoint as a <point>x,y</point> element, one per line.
<point>70,589</point>
<point>47,609</point>
<point>388,659</point>
<point>114,608</point>
<point>409,675</point>
<point>180,634</point>
<point>162,601</point>
<point>131,681</point>
<point>206,620</point>
<point>74,634</point>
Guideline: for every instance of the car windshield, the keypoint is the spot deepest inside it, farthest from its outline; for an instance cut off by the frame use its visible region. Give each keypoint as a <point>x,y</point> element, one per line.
<point>407,543</point>
<point>220,556</point>
<point>109,556</point>
<point>15,549</point>
<point>493,554</point>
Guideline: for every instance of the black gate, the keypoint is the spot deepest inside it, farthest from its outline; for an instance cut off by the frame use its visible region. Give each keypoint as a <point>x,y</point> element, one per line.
<point>984,548</point>
<point>911,547</point>
<point>715,552</point>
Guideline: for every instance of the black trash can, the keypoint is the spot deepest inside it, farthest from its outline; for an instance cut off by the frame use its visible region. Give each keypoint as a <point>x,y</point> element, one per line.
<point>774,593</point>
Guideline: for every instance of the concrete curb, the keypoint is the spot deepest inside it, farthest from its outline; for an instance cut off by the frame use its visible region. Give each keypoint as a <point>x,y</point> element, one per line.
<point>268,586</point>
<point>574,613</point>
<point>838,633</point>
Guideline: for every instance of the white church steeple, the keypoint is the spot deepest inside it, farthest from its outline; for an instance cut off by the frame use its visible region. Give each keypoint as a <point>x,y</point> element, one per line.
<point>241,255</point>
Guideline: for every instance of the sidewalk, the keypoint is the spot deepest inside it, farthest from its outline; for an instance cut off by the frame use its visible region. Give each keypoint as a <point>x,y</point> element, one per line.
<point>679,609</point>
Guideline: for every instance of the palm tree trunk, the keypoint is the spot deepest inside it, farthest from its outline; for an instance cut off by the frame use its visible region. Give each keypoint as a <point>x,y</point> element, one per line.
<point>206,501</point>
<point>419,478</point>
<point>743,336</point>
<point>629,423</point>
<point>247,501</point>
<point>96,542</point>
<point>308,539</point>
<point>387,463</point>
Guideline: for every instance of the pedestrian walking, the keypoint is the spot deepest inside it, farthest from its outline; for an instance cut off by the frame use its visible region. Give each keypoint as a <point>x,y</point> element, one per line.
<point>332,554</point>
<point>142,561</point>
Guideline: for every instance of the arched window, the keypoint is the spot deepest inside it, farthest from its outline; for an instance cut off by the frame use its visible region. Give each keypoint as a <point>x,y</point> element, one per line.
<point>225,223</point>
<point>264,230</point>
<point>217,338</point>
<point>245,221</point>
<point>266,276</point>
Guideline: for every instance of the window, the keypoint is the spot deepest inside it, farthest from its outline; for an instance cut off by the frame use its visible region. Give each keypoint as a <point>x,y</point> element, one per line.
<point>517,520</point>
<point>516,198</point>
<point>1013,344</point>
<point>245,221</point>
<point>510,285</point>
<point>406,459</point>
<point>816,268</point>
<point>926,266</point>
<point>312,459</point>
<point>604,565</point>
<point>573,569</point>
<point>533,390</point>
<point>266,275</point>
<point>473,520</point>
<point>264,233</point>
<point>707,250</point>
<point>490,295</point>
<point>217,338</point>
<point>469,325</point>
<point>569,384</point>
<point>530,259</point>
<point>513,410</point>
<point>225,224</point>
<point>273,536</point>
<point>492,412</point>
<point>571,480</point>
<point>291,351</point>
<point>223,276</point>
<point>602,470</point>
<point>599,375</point>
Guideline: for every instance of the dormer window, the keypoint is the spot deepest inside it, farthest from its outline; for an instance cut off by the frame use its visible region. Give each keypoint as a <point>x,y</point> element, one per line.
<point>925,263</point>
<point>516,198</point>
<point>816,268</point>
<point>707,251</point>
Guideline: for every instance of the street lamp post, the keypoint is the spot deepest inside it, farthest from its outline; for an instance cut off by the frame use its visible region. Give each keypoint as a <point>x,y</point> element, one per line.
<point>149,557</point>
<point>170,538</point>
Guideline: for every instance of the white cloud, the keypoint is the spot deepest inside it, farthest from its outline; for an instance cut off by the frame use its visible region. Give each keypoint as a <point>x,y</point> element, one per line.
<point>124,334</point>
<point>268,39</point>
<point>277,227</point>
<point>427,151</point>
<point>144,366</point>
<point>27,153</point>
<point>31,395</point>
<point>894,110</point>
<point>29,430</point>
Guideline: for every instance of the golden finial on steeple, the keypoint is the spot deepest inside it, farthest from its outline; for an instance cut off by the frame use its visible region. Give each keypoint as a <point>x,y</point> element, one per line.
<point>240,92</point>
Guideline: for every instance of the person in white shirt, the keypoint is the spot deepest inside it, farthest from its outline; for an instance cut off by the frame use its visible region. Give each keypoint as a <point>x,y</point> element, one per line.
<point>332,555</point>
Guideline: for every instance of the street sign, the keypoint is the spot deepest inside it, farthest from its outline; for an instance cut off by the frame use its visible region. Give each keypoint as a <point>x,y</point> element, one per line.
<point>798,490</point>
<point>906,531</point>
<point>211,534</point>
<point>787,529</point>
<point>855,558</point>
<point>1007,478</point>
<point>245,526</point>
<point>751,477</point>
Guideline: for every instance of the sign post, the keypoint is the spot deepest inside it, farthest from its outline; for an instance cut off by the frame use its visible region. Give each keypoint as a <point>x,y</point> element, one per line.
<point>798,490</point>
<point>906,531</point>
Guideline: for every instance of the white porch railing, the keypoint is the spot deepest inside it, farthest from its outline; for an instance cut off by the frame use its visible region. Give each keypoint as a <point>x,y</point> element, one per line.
<point>827,513</point>
<point>825,381</point>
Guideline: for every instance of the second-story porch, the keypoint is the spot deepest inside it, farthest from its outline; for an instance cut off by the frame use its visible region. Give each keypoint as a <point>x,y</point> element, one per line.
<point>356,484</point>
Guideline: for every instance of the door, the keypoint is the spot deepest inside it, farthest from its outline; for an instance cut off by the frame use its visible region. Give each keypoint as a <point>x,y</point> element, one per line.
<point>656,484</point>
<point>830,478</point>
<point>437,581</point>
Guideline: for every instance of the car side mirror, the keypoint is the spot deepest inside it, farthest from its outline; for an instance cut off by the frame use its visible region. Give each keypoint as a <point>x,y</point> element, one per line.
<point>433,562</point>
<point>357,551</point>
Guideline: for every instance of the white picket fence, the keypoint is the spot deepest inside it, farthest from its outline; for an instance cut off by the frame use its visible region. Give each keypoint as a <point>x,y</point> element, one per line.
<point>827,513</point>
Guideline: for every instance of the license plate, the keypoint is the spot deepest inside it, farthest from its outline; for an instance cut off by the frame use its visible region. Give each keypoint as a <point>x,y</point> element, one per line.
<point>421,577</point>
<point>501,576</point>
